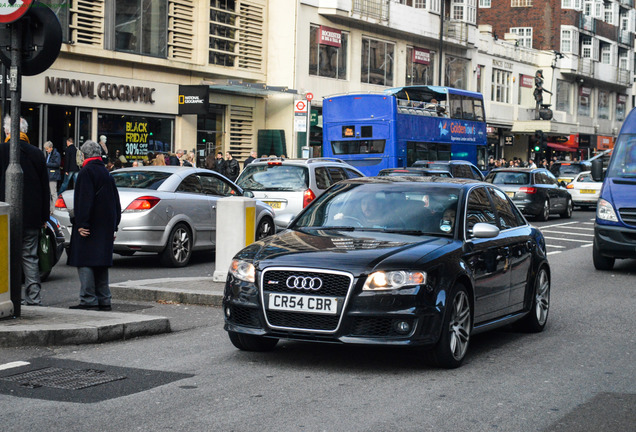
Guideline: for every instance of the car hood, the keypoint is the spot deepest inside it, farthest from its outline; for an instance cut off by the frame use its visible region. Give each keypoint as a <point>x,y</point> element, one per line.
<point>620,192</point>
<point>356,252</point>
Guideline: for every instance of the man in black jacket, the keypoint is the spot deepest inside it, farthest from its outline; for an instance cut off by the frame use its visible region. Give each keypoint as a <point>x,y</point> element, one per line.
<point>70,165</point>
<point>220,164</point>
<point>232,168</point>
<point>35,202</point>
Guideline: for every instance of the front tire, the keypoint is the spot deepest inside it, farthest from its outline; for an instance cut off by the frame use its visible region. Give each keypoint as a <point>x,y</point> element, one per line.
<point>537,318</point>
<point>601,262</point>
<point>246,342</point>
<point>264,229</point>
<point>178,249</point>
<point>453,343</point>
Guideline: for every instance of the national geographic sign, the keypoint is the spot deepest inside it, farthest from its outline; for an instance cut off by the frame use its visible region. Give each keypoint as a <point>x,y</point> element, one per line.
<point>193,99</point>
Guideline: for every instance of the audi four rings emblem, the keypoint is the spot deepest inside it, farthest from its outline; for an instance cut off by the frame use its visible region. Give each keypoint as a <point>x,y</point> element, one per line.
<point>304,283</point>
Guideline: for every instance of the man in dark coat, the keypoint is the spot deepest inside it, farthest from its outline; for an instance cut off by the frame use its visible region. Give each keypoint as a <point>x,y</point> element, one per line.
<point>219,164</point>
<point>70,164</point>
<point>53,161</point>
<point>250,159</point>
<point>35,202</point>
<point>232,168</point>
<point>97,213</point>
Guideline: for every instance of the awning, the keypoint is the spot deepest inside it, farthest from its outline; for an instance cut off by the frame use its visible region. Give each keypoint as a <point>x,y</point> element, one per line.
<point>247,88</point>
<point>560,147</point>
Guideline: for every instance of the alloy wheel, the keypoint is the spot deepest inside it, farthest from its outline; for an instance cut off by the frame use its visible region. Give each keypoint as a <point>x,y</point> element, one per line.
<point>459,326</point>
<point>542,298</point>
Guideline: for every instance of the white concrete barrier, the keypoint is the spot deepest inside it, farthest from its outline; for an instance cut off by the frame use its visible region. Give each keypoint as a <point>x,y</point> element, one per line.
<point>6,305</point>
<point>235,228</point>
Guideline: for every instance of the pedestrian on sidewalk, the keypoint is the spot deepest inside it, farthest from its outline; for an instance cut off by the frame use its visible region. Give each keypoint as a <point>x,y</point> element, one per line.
<point>35,205</point>
<point>70,165</point>
<point>53,162</point>
<point>97,214</point>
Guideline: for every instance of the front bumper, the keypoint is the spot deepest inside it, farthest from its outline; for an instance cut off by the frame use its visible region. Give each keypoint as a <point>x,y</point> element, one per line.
<point>615,241</point>
<point>369,318</point>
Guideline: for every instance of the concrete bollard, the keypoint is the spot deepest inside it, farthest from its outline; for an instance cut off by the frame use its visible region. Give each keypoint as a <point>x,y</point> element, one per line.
<point>6,305</point>
<point>235,229</point>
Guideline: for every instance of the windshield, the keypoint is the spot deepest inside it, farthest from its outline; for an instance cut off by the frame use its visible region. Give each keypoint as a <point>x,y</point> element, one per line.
<point>508,178</point>
<point>271,177</point>
<point>417,209</point>
<point>140,179</point>
<point>623,162</point>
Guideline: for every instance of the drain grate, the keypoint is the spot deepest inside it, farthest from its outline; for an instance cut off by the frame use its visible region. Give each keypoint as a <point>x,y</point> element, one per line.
<point>67,379</point>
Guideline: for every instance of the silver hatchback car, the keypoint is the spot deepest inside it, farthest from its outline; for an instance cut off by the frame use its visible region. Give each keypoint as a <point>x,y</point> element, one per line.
<point>170,210</point>
<point>288,185</point>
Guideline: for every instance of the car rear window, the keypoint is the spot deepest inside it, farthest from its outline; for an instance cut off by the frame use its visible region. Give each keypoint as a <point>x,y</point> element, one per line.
<point>271,177</point>
<point>140,179</point>
<point>561,169</point>
<point>509,178</point>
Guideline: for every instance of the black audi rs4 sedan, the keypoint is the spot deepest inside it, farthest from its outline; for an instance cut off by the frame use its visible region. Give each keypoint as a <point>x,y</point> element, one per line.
<point>423,262</point>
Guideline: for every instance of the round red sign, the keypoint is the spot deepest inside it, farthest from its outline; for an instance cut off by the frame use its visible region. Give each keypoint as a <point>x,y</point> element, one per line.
<point>309,96</point>
<point>12,12</point>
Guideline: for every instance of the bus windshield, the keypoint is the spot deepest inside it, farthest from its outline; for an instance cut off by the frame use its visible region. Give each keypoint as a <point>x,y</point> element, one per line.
<point>623,162</point>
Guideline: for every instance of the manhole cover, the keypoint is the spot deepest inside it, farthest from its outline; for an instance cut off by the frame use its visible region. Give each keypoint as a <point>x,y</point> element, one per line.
<point>68,379</point>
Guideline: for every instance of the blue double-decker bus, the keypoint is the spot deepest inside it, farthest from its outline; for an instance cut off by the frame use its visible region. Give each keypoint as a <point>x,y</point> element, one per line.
<point>405,124</point>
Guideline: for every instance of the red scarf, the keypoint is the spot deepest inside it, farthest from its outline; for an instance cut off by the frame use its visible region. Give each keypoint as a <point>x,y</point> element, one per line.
<point>90,159</point>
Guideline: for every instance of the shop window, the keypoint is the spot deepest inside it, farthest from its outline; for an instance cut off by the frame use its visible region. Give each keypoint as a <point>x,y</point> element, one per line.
<point>328,52</point>
<point>377,62</point>
<point>456,72</point>
<point>141,27</point>
<point>621,102</point>
<point>585,103</point>
<point>417,71</point>
<point>500,88</point>
<point>563,96</point>
<point>603,105</point>
<point>136,136</point>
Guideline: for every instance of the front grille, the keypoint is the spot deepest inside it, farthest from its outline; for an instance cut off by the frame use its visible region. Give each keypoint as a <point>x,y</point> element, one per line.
<point>628,215</point>
<point>303,320</point>
<point>244,316</point>
<point>336,285</point>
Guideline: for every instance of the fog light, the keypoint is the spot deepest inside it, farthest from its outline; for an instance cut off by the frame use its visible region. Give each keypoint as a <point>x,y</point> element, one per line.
<point>403,327</point>
<point>227,312</point>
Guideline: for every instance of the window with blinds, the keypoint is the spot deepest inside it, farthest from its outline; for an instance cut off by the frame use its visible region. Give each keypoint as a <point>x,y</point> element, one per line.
<point>236,33</point>
<point>241,131</point>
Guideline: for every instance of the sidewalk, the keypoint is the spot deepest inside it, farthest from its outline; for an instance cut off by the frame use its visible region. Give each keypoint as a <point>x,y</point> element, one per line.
<point>56,326</point>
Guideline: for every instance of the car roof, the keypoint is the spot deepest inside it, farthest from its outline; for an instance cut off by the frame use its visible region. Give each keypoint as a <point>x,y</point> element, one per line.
<point>449,162</point>
<point>517,169</point>
<point>309,161</point>
<point>159,168</point>
<point>416,169</point>
<point>460,182</point>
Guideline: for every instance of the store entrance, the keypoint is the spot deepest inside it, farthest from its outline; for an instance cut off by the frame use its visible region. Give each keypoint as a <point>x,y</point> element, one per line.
<point>60,125</point>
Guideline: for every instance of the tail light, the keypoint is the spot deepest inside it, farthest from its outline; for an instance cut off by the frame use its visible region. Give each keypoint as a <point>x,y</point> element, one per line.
<point>274,163</point>
<point>570,186</point>
<point>528,190</point>
<point>308,196</point>
<point>142,203</point>
<point>59,202</point>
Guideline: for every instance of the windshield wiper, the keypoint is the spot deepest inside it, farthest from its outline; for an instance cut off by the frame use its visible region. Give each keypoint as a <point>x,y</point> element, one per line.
<point>330,228</point>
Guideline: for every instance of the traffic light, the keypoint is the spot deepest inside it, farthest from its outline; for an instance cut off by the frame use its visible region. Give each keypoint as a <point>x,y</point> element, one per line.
<point>540,141</point>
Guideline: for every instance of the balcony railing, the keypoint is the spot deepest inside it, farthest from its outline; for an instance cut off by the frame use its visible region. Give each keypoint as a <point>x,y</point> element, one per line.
<point>623,77</point>
<point>586,67</point>
<point>454,29</point>
<point>373,9</point>
<point>587,23</point>
<point>624,37</point>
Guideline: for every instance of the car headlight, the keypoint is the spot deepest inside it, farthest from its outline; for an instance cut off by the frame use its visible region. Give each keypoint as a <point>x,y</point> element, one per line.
<point>381,280</point>
<point>243,270</point>
<point>605,211</point>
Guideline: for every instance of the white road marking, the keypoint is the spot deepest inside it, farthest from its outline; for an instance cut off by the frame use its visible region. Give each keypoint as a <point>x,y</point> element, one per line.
<point>570,240</point>
<point>553,253</point>
<point>570,233</point>
<point>560,224</point>
<point>587,245</point>
<point>556,246</point>
<point>14,364</point>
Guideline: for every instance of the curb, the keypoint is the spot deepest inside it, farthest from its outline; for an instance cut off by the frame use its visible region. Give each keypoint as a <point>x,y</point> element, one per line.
<point>197,291</point>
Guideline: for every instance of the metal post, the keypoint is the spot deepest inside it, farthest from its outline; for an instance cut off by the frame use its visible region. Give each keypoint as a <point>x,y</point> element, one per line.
<point>14,176</point>
<point>440,81</point>
<point>308,143</point>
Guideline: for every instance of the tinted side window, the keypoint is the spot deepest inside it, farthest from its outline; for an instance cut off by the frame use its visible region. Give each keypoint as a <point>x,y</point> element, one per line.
<point>351,173</point>
<point>478,210</point>
<point>337,174</point>
<point>215,186</point>
<point>539,178</point>
<point>190,184</point>
<point>550,179</point>
<point>506,215</point>
<point>322,178</point>
<point>462,171</point>
<point>476,173</point>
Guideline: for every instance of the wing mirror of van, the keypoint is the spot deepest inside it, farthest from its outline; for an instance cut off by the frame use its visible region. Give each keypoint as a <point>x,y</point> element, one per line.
<point>597,170</point>
<point>283,221</point>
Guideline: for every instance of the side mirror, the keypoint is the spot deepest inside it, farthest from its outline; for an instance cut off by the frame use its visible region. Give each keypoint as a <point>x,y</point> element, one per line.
<point>562,184</point>
<point>485,230</point>
<point>283,221</point>
<point>248,194</point>
<point>597,170</point>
